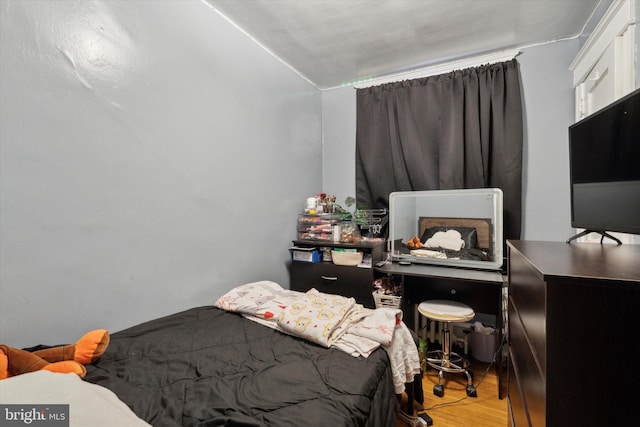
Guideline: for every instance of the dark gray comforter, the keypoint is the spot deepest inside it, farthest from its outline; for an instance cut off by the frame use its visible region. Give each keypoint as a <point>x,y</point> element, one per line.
<point>208,367</point>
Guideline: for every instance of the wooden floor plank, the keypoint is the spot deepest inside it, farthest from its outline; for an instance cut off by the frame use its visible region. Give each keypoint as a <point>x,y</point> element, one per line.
<point>455,409</point>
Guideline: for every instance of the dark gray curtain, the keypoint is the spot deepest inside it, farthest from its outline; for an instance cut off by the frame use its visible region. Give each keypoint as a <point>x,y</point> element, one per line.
<point>457,130</point>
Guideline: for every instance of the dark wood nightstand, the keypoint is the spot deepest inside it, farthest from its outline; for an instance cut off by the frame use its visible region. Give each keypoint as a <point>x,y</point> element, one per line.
<point>348,281</point>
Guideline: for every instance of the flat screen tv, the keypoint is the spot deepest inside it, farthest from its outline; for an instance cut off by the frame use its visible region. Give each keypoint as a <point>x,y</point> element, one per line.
<point>604,160</point>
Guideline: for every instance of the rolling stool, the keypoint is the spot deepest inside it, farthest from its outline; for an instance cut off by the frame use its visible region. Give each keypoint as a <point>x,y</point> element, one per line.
<point>448,312</point>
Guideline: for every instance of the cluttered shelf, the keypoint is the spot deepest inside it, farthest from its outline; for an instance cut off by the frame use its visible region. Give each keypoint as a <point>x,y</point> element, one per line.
<point>336,248</point>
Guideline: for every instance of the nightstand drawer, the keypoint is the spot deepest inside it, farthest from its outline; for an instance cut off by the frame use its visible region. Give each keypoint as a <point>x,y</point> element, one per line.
<point>334,279</point>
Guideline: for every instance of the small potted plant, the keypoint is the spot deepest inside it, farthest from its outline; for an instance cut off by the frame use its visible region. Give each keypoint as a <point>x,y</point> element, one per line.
<point>368,223</point>
<point>350,231</point>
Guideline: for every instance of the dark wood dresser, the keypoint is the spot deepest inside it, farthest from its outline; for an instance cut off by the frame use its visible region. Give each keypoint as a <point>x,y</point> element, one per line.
<point>574,334</point>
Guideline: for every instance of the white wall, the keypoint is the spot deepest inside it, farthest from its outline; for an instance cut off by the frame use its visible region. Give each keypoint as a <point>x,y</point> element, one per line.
<point>548,108</point>
<point>548,98</point>
<point>339,142</point>
<point>152,157</point>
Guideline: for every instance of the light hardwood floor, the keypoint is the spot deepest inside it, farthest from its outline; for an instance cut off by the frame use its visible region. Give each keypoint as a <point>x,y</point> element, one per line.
<point>455,409</point>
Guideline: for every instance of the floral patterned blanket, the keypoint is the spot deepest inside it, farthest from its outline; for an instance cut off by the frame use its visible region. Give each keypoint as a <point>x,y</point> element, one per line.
<point>330,321</point>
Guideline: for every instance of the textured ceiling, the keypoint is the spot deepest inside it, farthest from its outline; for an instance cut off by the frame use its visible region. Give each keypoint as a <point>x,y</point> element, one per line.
<point>336,42</point>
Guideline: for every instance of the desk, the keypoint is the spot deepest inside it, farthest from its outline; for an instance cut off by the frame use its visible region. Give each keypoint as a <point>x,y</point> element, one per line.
<point>481,290</point>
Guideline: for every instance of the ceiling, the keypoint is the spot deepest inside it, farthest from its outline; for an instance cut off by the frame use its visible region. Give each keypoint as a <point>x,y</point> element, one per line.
<point>333,43</point>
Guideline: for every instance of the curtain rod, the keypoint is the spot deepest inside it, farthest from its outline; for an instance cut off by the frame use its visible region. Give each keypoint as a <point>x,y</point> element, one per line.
<point>433,70</point>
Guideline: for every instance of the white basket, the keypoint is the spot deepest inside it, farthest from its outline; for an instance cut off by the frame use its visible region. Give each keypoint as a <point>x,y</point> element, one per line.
<point>389,301</point>
<point>346,258</point>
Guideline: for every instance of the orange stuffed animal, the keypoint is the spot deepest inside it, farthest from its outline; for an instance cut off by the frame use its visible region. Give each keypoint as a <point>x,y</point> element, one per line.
<point>64,359</point>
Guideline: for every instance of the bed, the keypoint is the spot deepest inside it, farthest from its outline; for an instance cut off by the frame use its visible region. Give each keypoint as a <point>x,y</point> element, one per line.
<point>216,365</point>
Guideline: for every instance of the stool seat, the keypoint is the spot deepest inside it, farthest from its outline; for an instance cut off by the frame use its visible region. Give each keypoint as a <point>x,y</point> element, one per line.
<point>445,360</point>
<point>446,311</point>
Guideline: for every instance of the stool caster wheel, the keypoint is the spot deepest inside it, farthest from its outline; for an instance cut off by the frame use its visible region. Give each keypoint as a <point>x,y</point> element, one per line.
<point>438,390</point>
<point>471,391</point>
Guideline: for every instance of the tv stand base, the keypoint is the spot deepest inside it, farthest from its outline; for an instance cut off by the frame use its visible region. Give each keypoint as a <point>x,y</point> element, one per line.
<point>603,233</point>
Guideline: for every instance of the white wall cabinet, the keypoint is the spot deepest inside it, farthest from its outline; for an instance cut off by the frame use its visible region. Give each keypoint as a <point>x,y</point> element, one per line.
<point>605,68</point>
